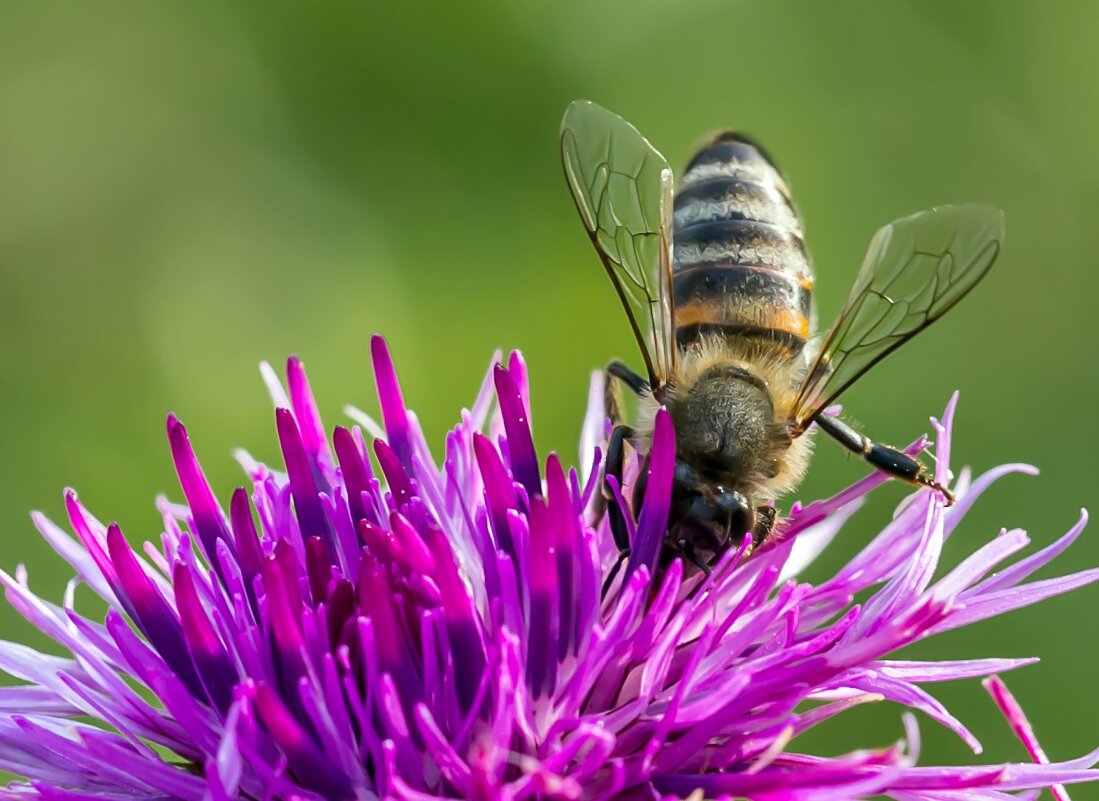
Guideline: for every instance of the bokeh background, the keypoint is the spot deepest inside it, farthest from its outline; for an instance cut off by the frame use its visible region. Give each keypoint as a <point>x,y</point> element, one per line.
<point>189,188</point>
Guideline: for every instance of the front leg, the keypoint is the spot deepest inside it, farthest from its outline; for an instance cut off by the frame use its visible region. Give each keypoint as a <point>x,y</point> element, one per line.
<point>765,524</point>
<point>616,515</point>
<point>618,372</point>
<point>622,372</point>
<point>888,460</point>
<point>616,451</point>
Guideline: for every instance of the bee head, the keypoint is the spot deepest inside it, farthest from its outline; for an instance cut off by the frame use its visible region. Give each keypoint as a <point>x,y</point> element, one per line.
<point>710,516</point>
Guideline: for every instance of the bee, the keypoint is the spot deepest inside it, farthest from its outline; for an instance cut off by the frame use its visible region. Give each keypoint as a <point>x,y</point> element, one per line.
<point>717,285</point>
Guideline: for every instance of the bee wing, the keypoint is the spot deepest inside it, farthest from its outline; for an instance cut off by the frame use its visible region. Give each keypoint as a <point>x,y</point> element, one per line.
<point>914,272</point>
<point>622,187</point>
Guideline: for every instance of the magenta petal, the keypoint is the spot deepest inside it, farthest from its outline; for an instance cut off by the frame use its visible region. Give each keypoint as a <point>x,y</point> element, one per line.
<point>500,495</point>
<point>657,503</point>
<point>524,462</point>
<point>340,608</point>
<point>244,535</point>
<point>544,620</point>
<point>318,568</point>
<point>209,519</point>
<point>95,544</point>
<point>375,600</point>
<point>411,547</point>
<point>307,504</point>
<point>461,618</point>
<point>306,413</point>
<point>394,413</point>
<point>1024,568</point>
<point>207,650</point>
<point>153,615</point>
<point>1021,727</point>
<point>308,763</point>
<point>566,535</point>
<point>283,596</point>
<point>356,474</point>
<point>395,475</point>
<point>440,632</point>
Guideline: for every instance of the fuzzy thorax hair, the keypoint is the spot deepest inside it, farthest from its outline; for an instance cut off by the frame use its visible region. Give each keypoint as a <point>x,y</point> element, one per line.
<point>771,463</point>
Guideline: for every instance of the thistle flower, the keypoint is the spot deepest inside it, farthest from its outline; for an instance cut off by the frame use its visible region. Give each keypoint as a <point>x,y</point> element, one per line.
<point>410,631</point>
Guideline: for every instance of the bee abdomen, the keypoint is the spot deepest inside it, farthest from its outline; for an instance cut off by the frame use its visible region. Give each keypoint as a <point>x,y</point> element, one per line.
<point>740,265</point>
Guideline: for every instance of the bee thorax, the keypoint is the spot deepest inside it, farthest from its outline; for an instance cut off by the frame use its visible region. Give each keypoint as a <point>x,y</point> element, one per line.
<point>725,427</point>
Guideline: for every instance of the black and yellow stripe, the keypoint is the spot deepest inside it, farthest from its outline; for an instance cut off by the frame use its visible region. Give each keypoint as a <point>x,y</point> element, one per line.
<point>740,264</point>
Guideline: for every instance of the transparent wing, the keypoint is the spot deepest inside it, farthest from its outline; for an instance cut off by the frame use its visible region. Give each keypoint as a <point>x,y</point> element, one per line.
<point>914,272</point>
<point>622,187</point>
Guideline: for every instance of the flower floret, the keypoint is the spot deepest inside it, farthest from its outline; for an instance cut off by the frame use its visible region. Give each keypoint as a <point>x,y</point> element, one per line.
<point>362,622</point>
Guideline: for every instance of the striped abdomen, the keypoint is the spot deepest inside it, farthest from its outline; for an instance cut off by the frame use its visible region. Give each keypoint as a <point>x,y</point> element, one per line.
<point>740,265</point>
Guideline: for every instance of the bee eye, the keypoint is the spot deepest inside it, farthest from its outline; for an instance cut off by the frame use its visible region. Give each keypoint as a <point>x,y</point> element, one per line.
<point>736,509</point>
<point>686,475</point>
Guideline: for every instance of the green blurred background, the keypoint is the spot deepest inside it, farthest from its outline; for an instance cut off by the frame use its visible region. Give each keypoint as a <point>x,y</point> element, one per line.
<point>189,188</point>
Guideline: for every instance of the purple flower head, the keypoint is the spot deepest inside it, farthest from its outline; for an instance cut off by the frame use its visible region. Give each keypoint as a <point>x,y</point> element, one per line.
<point>361,622</point>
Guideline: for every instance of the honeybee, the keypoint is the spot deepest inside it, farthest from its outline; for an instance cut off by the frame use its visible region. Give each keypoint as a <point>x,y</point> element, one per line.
<point>717,285</point>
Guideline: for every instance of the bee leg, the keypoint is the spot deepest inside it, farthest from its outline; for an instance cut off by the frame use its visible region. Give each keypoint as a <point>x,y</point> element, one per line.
<point>619,372</point>
<point>621,560</point>
<point>888,460</point>
<point>765,522</point>
<point>616,451</point>
<point>612,403</point>
<point>622,372</point>
<point>688,553</point>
